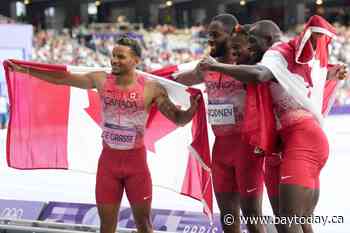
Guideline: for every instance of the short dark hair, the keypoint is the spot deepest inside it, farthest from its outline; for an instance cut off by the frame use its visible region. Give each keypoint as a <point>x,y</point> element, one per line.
<point>131,43</point>
<point>229,22</point>
<point>242,29</point>
<point>268,28</point>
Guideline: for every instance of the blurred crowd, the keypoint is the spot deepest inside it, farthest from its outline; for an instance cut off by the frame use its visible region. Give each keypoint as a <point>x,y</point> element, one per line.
<point>51,47</point>
<point>6,20</point>
<point>92,46</point>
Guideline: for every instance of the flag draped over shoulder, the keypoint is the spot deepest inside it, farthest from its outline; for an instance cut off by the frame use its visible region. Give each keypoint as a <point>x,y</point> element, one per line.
<point>302,72</point>
<point>58,127</point>
<point>259,122</point>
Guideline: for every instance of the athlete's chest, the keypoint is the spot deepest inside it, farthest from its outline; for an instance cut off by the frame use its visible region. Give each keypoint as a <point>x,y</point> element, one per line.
<point>113,97</point>
<point>215,82</point>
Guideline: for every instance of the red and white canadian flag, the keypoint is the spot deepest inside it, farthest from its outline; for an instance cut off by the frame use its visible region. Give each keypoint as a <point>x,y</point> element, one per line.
<point>302,72</point>
<point>58,127</point>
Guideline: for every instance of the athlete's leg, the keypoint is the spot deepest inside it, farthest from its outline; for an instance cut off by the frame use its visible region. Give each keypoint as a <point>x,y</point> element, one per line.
<point>109,191</point>
<point>108,217</point>
<point>293,200</point>
<point>307,228</point>
<point>138,188</point>
<point>229,211</point>
<point>272,182</point>
<point>142,216</point>
<point>225,185</point>
<point>250,182</point>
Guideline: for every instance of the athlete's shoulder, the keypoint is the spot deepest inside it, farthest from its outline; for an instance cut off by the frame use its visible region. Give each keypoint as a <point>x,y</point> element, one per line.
<point>154,88</point>
<point>99,74</point>
<point>99,78</point>
<point>286,49</point>
<point>153,84</point>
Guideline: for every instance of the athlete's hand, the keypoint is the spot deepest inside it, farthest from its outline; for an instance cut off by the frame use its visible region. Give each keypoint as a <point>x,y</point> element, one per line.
<point>343,72</point>
<point>338,72</point>
<point>207,63</point>
<point>16,67</point>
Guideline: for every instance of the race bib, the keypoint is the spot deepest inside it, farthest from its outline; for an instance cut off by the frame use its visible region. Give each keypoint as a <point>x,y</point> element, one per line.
<point>221,114</point>
<point>119,137</point>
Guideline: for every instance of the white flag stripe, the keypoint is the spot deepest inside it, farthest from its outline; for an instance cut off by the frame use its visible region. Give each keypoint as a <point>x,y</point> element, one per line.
<point>84,135</point>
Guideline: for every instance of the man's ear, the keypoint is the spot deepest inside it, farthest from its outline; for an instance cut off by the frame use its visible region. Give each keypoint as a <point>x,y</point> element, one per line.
<point>269,40</point>
<point>136,59</point>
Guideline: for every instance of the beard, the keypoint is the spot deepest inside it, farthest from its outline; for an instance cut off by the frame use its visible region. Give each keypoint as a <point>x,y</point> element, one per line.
<point>219,50</point>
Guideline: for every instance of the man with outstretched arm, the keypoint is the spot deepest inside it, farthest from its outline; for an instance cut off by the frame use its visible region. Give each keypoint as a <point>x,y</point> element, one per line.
<point>126,101</point>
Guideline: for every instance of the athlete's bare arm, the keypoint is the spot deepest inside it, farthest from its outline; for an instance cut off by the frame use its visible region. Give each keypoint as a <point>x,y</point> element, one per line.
<point>84,81</point>
<point>156,93</point>
<point>243,73</point>
<point>190,78</point>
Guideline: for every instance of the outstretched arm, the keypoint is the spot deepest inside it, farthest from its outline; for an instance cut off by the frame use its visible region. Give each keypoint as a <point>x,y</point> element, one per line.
<point>190,78</point>
<point>85,81</point>
<point>243,73</point>
<point>169,110</point>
